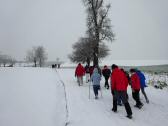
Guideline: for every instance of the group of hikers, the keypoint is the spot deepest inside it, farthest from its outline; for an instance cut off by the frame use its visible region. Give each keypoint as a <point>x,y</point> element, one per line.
<point>119,81</point>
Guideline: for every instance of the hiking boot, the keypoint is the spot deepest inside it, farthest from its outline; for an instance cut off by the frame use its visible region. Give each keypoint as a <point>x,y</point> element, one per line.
<point>138,106</point>
<point>96,97</point>
<point>147,101</point>
<point>120,104</point>
<point>129,116</point>
<point>113,110</point>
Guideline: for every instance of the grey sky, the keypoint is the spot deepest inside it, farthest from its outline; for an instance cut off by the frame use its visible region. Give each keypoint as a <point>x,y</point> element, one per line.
<point>140,26</point>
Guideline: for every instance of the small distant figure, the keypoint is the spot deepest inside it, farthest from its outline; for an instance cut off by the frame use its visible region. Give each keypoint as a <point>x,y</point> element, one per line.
<point>135,85</point>
<point>143,84</point>
<point>79,73</point>
<point>53,66</point>
<point>59,65</point>
<point>87,71</point>
<point>119,84</point>
<point>106,73</point>
<point>95,78</point>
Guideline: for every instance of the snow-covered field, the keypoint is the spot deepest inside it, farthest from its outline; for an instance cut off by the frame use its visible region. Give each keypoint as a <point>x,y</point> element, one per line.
<point>46,97</point>
<point>157,79</point>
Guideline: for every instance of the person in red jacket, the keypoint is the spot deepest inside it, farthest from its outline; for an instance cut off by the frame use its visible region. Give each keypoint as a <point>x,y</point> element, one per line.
<point>135,85</point>
<point>79,73</point>
<point>119,83</point>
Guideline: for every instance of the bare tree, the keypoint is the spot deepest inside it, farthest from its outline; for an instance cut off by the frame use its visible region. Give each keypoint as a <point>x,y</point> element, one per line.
<point>31,56</point>
<point>36,55</point>
<point>41,55</point>
<point>99,25</point>
<point>83,51</point>
<point>12,61</point>
<point>0,60</point>
<point>6,59</point>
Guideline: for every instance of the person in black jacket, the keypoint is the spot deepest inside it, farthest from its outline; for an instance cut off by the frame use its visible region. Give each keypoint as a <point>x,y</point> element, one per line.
<point>87,71</point>
<point>106,73</point>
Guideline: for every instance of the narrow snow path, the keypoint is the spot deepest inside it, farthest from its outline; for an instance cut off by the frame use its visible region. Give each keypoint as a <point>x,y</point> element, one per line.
<point>89,112</point>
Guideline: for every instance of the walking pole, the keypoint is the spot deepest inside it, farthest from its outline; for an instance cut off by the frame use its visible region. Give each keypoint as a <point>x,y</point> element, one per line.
<point>89,89</point>
<point>101,92</point>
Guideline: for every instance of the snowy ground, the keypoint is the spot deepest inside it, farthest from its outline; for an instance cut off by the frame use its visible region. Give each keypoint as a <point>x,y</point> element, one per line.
<point>31,97</point>
<point>37,97</point>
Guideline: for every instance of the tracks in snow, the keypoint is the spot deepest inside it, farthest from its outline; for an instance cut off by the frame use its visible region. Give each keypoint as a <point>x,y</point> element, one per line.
<point>66,100</point>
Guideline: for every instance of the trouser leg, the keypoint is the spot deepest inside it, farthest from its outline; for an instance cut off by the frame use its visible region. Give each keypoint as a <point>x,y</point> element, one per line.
<point>144,93</point>
<point>96,88</point>
<point>119,100</point>
<point>87,77</point>
<point>128,108</point>
<point>123,95</point>
<point>82,80</point>
<point>78,80</point>
<point>115,97</point>
<point>127,95</point>
<point>136,97</point>
<point>106,83</point>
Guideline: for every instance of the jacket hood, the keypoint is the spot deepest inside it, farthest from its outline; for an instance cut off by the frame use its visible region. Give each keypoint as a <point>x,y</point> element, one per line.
<point>95,70</point>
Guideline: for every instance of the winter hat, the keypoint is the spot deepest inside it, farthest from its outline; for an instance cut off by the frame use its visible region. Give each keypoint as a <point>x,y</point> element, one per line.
<point>105,66</point>
<point>132,70</point>
<point>114,66</point>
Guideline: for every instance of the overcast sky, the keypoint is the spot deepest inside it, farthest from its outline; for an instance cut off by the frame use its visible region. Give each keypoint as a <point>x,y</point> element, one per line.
<point>141,28</point>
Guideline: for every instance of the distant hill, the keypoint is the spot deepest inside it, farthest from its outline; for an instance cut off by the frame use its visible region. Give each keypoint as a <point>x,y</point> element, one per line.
<point>153,68</point>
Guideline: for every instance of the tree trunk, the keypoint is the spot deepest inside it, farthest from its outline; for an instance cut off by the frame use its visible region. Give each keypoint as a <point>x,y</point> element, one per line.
<point>35,64</point>
<point>95,59</point>
<point>88,62</point>
<point>40,63</point>
<point>4,64</point>
<point>96,49</point>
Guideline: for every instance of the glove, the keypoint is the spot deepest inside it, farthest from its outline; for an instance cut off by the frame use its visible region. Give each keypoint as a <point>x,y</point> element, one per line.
<point>112,91</point>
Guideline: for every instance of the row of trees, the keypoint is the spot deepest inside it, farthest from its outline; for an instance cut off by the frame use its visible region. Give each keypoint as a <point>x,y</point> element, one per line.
<point>99,29</point>
<point>37,55</point>
<point>6,60</point>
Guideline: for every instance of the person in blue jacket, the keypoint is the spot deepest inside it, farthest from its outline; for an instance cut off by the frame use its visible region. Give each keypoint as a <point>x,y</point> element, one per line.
<point>143,84</point>
<point>95,78</point>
